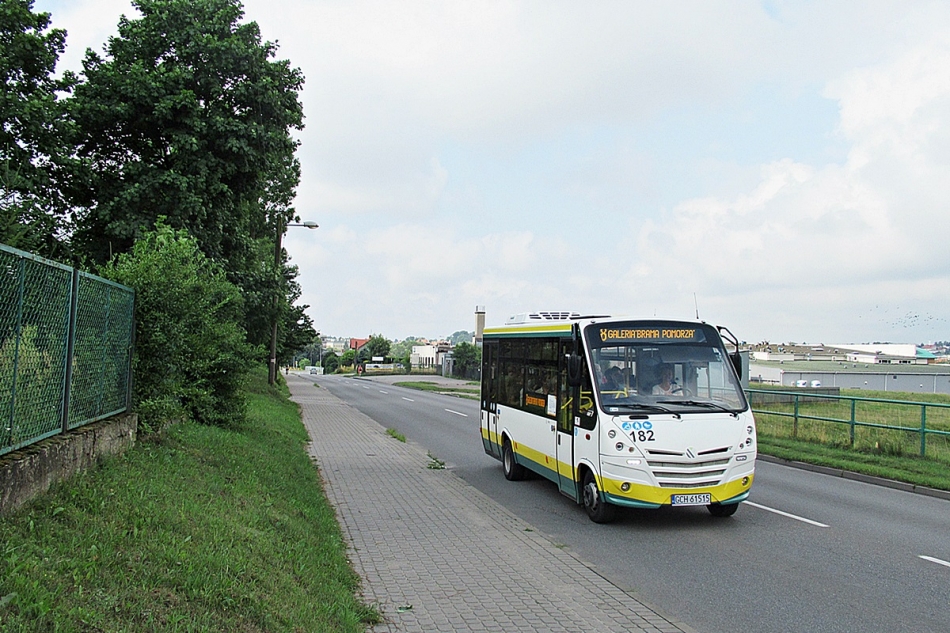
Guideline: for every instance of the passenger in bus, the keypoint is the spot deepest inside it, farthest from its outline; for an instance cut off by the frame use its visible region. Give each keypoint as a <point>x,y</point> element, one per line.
<point>666,386</point>
<point>613,380</point>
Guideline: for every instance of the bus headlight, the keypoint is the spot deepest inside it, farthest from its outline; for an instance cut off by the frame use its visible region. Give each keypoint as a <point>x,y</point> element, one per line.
<point>625,486</point>
<point>619,446</point>
<point>611,434</point>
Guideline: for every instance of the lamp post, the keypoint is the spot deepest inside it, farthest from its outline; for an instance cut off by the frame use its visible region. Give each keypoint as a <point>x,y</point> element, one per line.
<point>272,367</point>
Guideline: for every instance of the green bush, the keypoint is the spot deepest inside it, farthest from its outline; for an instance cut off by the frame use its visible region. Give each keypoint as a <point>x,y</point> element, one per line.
<point>191,354</point>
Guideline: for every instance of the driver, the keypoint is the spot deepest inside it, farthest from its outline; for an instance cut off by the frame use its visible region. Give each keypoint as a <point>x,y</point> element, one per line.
<point>666,386</point>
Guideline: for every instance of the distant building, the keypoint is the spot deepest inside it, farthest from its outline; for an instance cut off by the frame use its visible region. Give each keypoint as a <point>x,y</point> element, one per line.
<point>338,345</point>
<point>878,353</point>
<point>428,356</point>
<point>890,354</point>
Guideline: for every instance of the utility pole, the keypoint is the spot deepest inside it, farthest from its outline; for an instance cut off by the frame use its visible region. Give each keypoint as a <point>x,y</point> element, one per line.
<point>272,365</point>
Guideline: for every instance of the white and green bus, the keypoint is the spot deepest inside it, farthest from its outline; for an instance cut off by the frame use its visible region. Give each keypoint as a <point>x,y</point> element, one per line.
<point>640,413</point>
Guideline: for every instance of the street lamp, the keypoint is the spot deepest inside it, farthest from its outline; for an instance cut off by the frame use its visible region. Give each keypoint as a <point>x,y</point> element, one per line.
<point>272,367</point>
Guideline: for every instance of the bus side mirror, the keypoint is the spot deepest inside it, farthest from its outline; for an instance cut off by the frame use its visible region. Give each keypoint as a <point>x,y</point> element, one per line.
<point>737,363</point>
<point>575,369</point>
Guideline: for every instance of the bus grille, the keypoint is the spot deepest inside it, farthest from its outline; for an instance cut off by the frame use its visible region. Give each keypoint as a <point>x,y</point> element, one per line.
<point>675,470</point>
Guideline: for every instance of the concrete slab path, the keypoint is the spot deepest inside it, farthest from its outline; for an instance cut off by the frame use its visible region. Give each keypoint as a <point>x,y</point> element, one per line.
<point>435,554</point>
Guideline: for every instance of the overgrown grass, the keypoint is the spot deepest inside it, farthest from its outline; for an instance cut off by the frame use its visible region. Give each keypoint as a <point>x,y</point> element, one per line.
<point>472,393</point>
<point>206,529</point>
<point>393,433</point>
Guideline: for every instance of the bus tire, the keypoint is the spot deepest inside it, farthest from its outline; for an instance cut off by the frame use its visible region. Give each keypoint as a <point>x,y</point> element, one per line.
<point>722,509</point>
<point>513,470</point>
<point>598,510</point>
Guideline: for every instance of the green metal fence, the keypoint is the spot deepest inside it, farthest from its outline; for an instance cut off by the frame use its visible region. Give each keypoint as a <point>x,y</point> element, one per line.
<point>65,348</point>
<point>878,424</point>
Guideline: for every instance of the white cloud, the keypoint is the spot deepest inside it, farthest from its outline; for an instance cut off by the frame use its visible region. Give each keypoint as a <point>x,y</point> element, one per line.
<point>813,240</point>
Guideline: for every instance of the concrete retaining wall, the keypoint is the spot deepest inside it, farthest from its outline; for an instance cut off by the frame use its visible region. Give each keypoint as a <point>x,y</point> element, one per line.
<point>27,473</point>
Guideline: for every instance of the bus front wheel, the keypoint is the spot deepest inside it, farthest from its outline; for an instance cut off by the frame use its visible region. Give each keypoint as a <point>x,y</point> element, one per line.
<point>597,509</point>
<point>513,470</point>
<point>722,509</point>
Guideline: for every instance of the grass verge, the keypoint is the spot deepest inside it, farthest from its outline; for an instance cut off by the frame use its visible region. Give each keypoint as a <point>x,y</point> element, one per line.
<point>471,393</point>
<point>206,529</point>
<point>909,469</point>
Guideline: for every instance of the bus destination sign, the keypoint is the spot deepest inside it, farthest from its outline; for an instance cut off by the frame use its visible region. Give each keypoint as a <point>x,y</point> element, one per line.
<point>651,334</point>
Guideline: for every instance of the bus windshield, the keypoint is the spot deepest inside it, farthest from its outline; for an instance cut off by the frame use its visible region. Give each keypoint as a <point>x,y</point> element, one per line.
<point>654,366</point>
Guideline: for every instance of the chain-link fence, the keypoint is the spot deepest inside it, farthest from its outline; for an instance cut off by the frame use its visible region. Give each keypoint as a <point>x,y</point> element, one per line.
<point>65,348</point>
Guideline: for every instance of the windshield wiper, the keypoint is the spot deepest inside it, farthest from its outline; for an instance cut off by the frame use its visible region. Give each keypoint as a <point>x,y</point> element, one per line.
<point>637,406</point>
<point>700,403</point>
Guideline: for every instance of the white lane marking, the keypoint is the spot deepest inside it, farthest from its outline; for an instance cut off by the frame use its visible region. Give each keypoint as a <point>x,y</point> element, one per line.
<point>409,399</point>
<point>935,560</point>
<point>464,415</point>
<point>381,391</point>
<point>786,514</point>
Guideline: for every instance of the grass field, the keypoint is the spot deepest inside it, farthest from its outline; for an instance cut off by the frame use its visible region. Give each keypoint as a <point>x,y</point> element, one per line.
<point>206,529</point>
<point>823,434</point>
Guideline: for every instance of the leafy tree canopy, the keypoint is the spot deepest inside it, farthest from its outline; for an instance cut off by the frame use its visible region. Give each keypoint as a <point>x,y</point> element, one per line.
<point>403,348</point>
<point>378,345</point>
<point>33,146</point>
<point>187,117</point>
<point>331,362</point>
<point>467,358</point>
<point>461,337</point>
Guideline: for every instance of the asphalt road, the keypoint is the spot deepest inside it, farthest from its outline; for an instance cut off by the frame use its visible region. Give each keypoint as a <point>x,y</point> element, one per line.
<point>807,552</point>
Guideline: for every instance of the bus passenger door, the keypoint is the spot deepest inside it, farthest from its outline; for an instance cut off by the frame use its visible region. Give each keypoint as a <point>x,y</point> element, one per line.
<point>489,405</point>
<point>565,427</point>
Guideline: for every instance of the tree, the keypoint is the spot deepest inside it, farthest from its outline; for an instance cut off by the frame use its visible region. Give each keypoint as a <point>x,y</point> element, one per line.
<point>188,116</point>
<point>190,350</point>
<point>378,345</point>
<point>467,358</point>
<point>403,348</point>
<point>312,350</point>
<point>34,151</point>
<point>295,327</point>
<point>461,337</point>
<point>331,362</point>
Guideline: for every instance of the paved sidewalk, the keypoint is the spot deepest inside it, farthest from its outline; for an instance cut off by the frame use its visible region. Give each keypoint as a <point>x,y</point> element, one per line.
<point>435,554</point>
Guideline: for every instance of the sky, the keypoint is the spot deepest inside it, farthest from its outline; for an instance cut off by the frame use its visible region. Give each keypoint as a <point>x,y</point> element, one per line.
<point>779,168</point>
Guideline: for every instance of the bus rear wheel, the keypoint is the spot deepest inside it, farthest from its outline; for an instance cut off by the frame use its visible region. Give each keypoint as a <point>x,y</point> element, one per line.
<point>597,509</point>
<point>513,470</point>
<point>722,509</point>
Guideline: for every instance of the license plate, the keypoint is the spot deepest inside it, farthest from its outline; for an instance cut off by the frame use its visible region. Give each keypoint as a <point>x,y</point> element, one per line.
<point>692,500</point>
